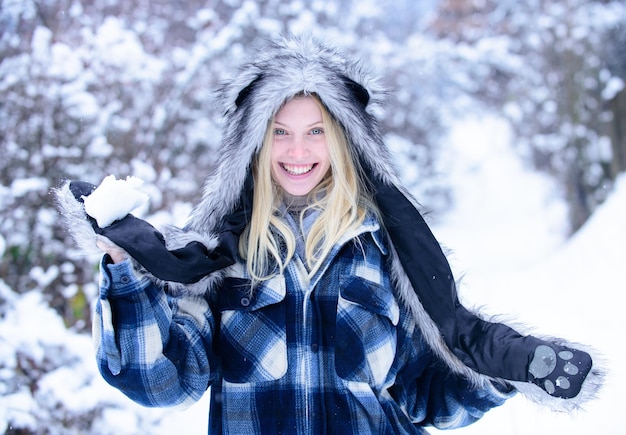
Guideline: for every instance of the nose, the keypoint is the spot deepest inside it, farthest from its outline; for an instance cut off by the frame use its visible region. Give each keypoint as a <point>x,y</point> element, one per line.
<point>298,148</point>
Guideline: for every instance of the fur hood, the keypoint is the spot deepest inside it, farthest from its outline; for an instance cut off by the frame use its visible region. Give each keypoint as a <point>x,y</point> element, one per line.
<point>354,97</point>
<point>248,102</point>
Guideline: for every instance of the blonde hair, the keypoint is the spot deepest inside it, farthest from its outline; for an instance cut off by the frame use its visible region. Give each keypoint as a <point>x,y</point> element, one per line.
<point>340,197</point>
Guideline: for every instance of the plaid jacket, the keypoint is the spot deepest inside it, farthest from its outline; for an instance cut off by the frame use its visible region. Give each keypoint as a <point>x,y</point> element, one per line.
<point>334,354</point>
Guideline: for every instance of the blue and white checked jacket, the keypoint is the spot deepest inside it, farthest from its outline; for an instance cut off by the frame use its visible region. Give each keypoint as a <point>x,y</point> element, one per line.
<point>335,354</point>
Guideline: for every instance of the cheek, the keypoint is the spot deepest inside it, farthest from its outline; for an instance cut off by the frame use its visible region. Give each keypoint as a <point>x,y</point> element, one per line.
<point>277,150</point>
<point>325,158</point>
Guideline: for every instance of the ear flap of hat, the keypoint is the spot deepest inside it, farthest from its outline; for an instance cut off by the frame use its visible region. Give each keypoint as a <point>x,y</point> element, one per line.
<point>358,91</point>
<point>245,92</point>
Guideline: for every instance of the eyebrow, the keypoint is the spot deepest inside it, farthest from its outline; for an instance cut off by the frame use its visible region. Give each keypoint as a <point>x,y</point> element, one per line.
<point>310,125</point>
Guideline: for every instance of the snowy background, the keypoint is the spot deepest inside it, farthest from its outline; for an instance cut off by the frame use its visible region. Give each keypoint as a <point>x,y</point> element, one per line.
<point>501,116</point>
<point>507,234</point>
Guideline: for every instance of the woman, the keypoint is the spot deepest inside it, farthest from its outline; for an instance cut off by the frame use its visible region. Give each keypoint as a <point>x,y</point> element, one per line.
<point>323,317</point>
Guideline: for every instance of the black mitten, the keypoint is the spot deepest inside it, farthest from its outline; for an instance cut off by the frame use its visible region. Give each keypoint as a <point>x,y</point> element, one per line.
<point>146,245</point>
<point>559,370</point>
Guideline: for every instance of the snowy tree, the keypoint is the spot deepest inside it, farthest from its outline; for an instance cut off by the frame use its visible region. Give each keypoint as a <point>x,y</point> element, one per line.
<point>126,87</point>
<point>556,98</point>
<point>614,54</point>
<point>562,118</point>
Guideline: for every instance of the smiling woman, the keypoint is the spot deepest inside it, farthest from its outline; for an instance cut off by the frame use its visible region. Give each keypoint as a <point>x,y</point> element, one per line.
<point>327,305</point>
<point>299,152</point>
<point>304,159</point>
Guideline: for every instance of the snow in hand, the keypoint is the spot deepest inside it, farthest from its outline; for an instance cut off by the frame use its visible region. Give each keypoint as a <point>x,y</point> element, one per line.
<point>114,199</point>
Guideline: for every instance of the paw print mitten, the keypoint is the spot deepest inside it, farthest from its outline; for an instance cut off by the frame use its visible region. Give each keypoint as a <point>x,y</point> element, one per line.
<point>559,370</point>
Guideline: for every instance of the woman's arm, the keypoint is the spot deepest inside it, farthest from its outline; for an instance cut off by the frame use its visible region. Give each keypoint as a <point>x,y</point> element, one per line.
<point>156,349</point>
<point>455,402</point>
<point>434,395</point>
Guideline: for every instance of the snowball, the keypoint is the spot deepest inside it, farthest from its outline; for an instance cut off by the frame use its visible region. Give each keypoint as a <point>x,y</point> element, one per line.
<point>114,199</point>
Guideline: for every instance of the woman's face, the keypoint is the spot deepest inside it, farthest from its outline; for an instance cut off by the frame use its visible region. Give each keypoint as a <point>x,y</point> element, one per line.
<point>299,154</point>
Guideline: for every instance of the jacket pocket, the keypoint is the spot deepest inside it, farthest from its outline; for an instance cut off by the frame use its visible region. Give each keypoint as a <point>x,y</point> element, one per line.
<point>253,340</point>
<point>367,316</point>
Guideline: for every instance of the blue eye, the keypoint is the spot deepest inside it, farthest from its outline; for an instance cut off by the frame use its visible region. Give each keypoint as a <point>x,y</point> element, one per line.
<point>280,131</point>
<point>317,130</point>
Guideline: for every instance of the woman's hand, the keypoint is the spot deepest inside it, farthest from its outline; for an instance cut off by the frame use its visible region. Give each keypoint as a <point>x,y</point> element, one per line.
<point>116,253</point>
<point>133,237</point>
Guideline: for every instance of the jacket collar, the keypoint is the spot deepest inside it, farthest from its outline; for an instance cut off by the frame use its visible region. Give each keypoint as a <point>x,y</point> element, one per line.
<point>369,225</point>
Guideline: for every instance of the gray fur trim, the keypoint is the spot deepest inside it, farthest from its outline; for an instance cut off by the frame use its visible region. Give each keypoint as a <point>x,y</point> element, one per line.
<point>408,297</point>
<point>177,238</point>
<point>75,220</point>
<point>430,331</point>
<point>205,285</point>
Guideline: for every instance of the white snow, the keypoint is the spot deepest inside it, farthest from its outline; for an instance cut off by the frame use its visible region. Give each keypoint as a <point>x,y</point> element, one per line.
<point>23,186</point>
<point>508,235</point>
<point>122,48</point>
<point>612,88</point>
<point>113,199</point>
<point>506,229</point>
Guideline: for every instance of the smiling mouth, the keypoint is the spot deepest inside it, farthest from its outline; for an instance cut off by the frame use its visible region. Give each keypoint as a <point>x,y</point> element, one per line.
<point>298,169</point>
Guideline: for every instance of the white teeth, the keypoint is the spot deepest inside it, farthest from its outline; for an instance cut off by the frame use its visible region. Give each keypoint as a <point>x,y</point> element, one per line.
<point>297,169</point>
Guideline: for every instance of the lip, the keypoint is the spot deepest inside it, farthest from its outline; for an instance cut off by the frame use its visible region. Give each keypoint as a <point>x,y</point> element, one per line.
<point>298,170</point>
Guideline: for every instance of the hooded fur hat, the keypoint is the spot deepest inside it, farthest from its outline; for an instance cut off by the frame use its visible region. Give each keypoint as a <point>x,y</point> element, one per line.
<point>353,97</point>
<point>280,71</point>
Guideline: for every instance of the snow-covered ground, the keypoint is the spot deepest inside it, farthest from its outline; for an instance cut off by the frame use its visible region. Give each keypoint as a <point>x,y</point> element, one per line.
<point>507,234</point>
